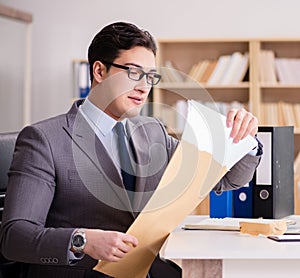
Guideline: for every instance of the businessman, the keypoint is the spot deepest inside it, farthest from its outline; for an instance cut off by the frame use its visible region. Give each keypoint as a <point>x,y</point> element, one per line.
<point>70,199</point>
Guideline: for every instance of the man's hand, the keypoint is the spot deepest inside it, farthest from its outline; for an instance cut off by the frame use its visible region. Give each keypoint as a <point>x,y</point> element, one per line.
<point>242,123</point>
<point>108,245</point>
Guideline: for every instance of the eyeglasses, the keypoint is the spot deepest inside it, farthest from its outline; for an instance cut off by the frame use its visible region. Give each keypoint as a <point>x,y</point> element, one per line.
<point>137,74</point>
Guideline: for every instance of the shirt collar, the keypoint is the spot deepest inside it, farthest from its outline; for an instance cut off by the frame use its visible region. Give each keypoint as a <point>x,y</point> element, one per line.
<point>97,117</point>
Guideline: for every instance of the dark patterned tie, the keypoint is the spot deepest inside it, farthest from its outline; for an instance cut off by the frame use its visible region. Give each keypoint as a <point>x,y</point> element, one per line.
<point>127,172</point>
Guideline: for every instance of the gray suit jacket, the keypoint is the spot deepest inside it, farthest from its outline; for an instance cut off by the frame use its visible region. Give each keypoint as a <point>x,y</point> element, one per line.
<point>62,178</point>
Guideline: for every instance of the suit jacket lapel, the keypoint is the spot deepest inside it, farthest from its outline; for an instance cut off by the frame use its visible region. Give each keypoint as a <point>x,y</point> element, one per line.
<point>84,137</point>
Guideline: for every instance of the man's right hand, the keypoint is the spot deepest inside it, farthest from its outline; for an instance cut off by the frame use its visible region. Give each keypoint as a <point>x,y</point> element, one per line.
<point>108,245</point>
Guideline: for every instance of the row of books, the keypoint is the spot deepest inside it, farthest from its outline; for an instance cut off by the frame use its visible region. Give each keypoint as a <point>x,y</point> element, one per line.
<point>226,70</point>
<point>274,70</point>
<point>174,117</point>
<point>280,113</point>
<point>81,79</point>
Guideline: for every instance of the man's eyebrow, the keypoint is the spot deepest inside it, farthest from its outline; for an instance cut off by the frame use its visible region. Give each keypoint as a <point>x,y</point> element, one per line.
<point>138,66</point>
<point>133,64</point>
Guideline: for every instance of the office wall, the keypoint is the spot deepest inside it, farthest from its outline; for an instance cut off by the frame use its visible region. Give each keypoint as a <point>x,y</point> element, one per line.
<point>62,30</point>
<point>12,68</point>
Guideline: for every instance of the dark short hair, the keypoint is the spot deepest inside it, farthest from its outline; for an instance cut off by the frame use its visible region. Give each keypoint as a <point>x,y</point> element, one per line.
<point>113,38</point>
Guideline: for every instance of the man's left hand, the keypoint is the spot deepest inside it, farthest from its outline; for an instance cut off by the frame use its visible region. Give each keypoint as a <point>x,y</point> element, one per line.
<point>243,123</point>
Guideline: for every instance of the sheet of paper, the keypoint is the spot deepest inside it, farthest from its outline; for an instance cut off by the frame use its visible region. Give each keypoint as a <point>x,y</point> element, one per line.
<point>207,129</point>
<point>194,169</point>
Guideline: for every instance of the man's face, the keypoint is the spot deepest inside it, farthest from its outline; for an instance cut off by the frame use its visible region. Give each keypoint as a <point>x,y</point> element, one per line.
<point>125,97</point>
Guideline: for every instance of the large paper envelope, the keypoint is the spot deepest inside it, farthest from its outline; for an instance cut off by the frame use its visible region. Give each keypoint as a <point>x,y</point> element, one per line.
<point>203,156</point>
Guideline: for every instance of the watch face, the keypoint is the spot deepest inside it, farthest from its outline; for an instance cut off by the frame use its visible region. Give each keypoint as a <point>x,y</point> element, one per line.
<point>78,240</point>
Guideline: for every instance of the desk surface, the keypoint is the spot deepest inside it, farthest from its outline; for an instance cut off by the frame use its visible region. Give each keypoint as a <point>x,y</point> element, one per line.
<point>199,244</point>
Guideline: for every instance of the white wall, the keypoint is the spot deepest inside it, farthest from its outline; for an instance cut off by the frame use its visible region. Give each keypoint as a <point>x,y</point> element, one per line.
<point>63,29</point>
<point>12,68</point>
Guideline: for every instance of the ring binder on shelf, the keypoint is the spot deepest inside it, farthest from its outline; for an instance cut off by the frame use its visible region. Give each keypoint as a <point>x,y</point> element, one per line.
<point>220,205</point>
<point>273,183</point>
<point>243,201</point>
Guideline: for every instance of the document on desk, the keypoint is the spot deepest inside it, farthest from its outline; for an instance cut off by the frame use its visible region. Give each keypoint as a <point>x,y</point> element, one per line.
<point>230,223</point>
<point>204,155</point>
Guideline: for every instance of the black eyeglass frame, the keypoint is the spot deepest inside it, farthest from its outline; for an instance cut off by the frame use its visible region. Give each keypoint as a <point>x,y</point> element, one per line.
<point>156,75</point>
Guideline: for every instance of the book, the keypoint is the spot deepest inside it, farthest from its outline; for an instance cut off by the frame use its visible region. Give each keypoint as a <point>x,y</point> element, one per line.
<point>241,70</point>
<point>287,70</point>
<point>267,67</point>
<point>173,72</point>
<point>198,70</point>
<point>235,60</point>
<point>209,70</point>
<point>219,70</point>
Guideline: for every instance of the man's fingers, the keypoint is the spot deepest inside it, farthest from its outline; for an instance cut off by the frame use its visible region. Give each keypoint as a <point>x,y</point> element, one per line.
<point>230,117</point>
<point>129,239</point>
<point>242,122</point>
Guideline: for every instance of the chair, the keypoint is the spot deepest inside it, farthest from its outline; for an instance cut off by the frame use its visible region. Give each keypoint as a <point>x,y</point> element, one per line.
<point>164,268</point>
<point>7,145</point>
<point>8,269</point>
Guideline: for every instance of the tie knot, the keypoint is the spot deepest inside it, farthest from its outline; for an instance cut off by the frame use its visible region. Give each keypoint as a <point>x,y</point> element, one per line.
<point>120,129</point>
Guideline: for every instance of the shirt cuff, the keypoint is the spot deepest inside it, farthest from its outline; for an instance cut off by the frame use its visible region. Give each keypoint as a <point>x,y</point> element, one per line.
<point>258,150</point>
<point>253,152</point>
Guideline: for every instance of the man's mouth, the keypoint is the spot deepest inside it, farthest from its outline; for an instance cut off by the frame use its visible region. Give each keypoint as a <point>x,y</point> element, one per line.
<point>136,99</point>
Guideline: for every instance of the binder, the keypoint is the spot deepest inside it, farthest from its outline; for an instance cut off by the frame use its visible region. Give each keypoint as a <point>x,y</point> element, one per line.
<point>273,182</point>
<point>220,204</point>
<point>243,201</point>
<point>84,86</point>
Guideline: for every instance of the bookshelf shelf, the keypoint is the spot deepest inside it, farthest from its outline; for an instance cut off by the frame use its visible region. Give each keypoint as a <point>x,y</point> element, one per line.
<point>280,86</point>
<point>297,131</point>
<point>196,85</point>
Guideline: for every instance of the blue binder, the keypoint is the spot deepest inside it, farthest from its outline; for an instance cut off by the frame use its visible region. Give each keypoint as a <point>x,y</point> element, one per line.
<point>243,201</point>
<point>221,205</point>
<point>84,83</point>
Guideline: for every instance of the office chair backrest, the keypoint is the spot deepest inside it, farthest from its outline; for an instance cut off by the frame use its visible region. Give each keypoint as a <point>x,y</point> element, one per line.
<point>7,146</point>
<point>8,269</point>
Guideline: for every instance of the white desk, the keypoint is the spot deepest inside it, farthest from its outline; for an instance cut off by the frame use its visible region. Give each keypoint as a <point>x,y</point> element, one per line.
<point>227,254</point>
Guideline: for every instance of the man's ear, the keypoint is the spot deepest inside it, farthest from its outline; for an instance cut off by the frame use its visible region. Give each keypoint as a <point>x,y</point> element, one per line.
<point>98,71</point>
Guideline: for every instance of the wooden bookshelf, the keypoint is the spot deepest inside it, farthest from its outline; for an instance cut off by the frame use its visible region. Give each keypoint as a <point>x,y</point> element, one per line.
<point>253,91</point>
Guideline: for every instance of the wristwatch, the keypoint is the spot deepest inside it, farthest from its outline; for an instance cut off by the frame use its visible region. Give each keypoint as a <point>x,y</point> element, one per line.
<point>78,241</point>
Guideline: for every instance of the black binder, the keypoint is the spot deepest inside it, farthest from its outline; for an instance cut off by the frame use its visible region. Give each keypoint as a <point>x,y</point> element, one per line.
<point>273,182</point>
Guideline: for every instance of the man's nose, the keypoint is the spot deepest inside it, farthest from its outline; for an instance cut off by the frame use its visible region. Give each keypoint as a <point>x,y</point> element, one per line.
<point>143,84</point>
